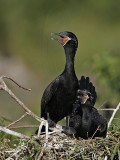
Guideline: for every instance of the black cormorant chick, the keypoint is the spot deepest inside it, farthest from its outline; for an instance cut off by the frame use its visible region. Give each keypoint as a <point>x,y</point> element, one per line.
<point>59,96</point>
<point>85,118</point>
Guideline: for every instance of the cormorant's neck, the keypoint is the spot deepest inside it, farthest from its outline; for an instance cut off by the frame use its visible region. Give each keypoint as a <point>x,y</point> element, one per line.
<point>87,104</point>
<point>70,55</point>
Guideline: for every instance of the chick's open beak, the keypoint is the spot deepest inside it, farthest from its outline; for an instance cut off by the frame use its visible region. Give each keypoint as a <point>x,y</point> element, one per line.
<point>83,98</point>
<point>83,95</point>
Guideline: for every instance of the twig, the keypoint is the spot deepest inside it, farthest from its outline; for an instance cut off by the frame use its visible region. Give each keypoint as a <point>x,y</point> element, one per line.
<point>14,154</point>
<point>46,131</point>
<point>46,141</point>
<point>112,117</point>
<point>107,109</point>
<point>8,131</point>
<point>25,126</point>
<point>117,118</point>
<point>42,150</point>
<point>54,131</point>
<point>102,105</point>
<point>16,83</point>
<point>16,120</point>
<point>40,127</point>
<point>4,87</point>
<point>95,132</point>
<point>105,158</point>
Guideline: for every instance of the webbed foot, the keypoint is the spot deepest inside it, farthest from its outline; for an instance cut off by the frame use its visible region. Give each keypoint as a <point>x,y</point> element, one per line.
<point>68,130</point>
<point>51,123</point>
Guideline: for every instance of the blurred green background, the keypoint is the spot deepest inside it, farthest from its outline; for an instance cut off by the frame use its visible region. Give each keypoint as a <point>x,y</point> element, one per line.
<point>29,56</point>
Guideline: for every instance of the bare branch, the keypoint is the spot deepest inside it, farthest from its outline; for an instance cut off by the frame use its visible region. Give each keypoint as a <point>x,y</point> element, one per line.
<point>46,131</point>
<point>8,131</point>
<point>95,132</point>
<point>107,109</point>
<point>102,105</point>
<point>25,126</point>
<point>16,83</point>
<point>8,126</point>
<point>4,87</point>
<point>40,127</point>
<point>112,117</point>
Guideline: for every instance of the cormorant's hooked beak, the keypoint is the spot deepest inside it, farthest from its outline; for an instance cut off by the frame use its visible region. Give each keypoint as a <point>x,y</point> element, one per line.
<point>62,40</point>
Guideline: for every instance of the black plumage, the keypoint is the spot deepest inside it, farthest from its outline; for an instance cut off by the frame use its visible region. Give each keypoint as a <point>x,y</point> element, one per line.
<point>85,118</point>
<point>59,96</point>
<point>86,87</point>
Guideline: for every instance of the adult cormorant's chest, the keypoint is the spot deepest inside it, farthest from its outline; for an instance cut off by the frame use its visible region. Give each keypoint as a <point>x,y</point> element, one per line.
<point>68,87</point>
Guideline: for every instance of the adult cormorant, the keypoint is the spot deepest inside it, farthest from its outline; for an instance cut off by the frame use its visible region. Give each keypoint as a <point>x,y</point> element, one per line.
<point>85,118</point>
<point>60,94</point>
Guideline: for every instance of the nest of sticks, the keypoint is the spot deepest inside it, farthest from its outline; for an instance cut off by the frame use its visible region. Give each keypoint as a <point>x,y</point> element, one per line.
<point>60,146</point>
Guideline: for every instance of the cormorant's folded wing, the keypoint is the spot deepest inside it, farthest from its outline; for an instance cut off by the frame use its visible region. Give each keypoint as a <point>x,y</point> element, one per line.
<point>48,94</point>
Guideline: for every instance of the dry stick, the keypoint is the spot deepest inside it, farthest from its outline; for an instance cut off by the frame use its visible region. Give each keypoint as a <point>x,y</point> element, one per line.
<point>45,144</point>
<point>102,105</point>
<point>14,154</point>
<point>106,158</point>
<point>4,87</point>
<point>42,150</point>
<point>16,83</point>
<point>117,118</point>
<point>105,109</point>
<point>40,127</point>
<point>112,117</point>
<point>54,131</point>
<point>95,132</point>
<point>46,131</point>
<point>8,126</point>
<point>25,126</point>
<point>8,131</point>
